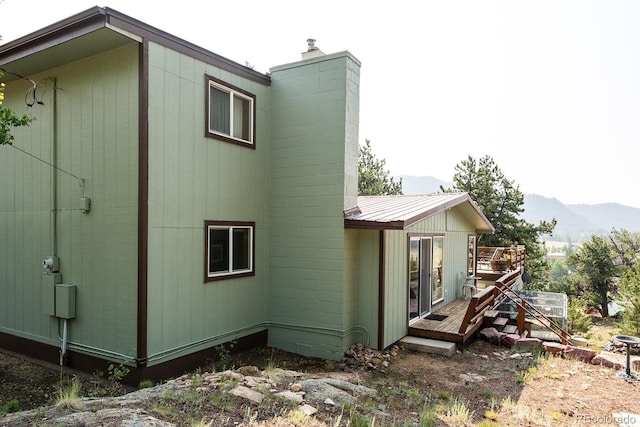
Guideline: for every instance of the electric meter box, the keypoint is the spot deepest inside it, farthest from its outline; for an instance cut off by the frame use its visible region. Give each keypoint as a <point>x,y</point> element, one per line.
<point>49,282</point>
<point>65,301</point>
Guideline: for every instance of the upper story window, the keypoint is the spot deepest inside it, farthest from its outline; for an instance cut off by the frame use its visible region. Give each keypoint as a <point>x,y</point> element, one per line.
<point>230,113</point>
<point>229,249</point>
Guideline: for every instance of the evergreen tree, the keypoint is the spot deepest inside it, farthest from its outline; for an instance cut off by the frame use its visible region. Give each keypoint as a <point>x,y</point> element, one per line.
<point>501,201</point>
<point>373,179</point>
<point>626,245</point>
<point>629,289</point>
<point>594,278</point>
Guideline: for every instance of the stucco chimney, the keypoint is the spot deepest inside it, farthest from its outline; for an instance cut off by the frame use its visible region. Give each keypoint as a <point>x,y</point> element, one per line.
<point>312,50</point>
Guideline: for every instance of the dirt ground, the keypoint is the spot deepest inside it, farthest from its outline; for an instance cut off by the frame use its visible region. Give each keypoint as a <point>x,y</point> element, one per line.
<point>484,385</point>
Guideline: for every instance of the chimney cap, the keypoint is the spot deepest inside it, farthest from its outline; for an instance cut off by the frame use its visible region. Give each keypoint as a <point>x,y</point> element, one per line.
<point>312,50</point>
<point>311,44</point>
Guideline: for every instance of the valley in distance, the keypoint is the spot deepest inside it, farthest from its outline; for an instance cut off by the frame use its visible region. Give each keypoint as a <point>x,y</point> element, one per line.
<point>576,222</point>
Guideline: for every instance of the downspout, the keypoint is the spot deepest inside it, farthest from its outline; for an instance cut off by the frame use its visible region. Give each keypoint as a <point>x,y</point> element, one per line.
<point>381,290</point>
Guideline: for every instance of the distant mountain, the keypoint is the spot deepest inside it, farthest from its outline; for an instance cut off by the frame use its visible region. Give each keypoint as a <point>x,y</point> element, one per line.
<point>580,221</point>
<point>421,184</point>
<point>611,215</point>
<point>573,224</point>
<point>576,223</point>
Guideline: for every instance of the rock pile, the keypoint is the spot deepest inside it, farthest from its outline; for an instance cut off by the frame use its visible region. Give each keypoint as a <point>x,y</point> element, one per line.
<point>618,347</point>
<point>360,357</point>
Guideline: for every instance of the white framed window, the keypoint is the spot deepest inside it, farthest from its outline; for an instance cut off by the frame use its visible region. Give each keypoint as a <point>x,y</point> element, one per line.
<point>230,113</point>
<point>471,255</point>
<point>229,249</point>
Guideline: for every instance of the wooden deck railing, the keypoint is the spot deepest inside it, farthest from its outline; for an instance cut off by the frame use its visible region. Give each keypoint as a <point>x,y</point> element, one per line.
<point>486,300</point>
<point>500,259</point>
<point>490,297</point>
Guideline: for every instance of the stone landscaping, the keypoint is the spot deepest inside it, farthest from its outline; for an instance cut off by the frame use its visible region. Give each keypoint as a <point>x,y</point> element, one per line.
<point>610,357</point>
<point>396,378</point>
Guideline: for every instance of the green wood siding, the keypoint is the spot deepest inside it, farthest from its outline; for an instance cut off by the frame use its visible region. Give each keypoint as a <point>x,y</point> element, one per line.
<point>314,138</point>
<point>25,222</point>
<point>396,287</point>
<point>96,105</point>
<point>455,228</point>
<point>193,178</point>
<point>368,265</point>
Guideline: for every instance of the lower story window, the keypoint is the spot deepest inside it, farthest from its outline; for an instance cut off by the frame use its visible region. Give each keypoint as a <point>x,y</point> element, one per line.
<point>229,249</point>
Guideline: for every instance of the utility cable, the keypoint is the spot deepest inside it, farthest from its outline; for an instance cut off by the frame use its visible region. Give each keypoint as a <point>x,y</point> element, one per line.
<point>80,180</point>
<point>32,91</point>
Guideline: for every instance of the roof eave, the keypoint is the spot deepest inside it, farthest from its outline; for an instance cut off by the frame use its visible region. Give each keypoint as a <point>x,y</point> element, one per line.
<point>373,225</point>
<point>75,26</point>
<point>96,18</point>
<point>481,223</point>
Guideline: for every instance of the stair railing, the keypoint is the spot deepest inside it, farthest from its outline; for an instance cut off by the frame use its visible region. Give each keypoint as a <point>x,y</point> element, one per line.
<point>483,301</point>
<point>529,309</point>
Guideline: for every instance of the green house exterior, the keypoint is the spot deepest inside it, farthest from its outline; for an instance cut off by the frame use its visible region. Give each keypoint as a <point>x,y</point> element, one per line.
<point>172,232</point>
<point>382,232</point>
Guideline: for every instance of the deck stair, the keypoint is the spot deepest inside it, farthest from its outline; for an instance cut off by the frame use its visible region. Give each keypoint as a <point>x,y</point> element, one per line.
<point>510,329</point>
<point>528,316</point>
<point>499,322</point>
<point>464,318</point>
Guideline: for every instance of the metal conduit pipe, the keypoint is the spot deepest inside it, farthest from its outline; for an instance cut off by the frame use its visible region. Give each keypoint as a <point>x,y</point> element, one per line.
<point>54,171</point>
<point>54,202</point>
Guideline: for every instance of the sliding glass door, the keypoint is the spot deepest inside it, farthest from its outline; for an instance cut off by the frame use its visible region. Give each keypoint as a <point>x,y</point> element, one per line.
<point>425,274</point>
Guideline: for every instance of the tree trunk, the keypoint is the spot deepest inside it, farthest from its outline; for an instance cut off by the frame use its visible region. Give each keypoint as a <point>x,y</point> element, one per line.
<point>604,305</point>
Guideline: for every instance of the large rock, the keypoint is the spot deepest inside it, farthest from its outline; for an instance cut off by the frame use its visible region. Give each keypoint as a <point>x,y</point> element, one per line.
<point>609,360</point>
<point>247,393</point>
<point>579,353</point>
<point>510,340</point>
<point>553,347</point>
<point>616,361</point>
<point>529,343</point>
<point>492,335</point>
<point>339,391</point>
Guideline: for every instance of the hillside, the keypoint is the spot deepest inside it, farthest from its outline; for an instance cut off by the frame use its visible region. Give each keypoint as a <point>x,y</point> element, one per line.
<point>579,222</point>
<point>576,222</point>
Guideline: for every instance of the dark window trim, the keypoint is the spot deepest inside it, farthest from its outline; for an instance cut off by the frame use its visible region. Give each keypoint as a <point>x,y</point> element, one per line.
<point>252,272</point>
<point>207,131</point>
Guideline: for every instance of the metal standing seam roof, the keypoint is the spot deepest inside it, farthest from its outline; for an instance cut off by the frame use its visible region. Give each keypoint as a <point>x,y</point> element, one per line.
<point>402,211</point>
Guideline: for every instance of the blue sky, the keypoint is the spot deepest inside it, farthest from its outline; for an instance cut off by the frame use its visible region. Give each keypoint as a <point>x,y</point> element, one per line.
<point>549,89</point>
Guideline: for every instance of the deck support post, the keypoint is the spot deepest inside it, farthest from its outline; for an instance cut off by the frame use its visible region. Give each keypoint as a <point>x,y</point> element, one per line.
<point>521,316</point>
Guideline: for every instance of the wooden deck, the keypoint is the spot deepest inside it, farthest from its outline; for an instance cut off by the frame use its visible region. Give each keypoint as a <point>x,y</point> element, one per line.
<point>447,329</point>
<point>464,317</point>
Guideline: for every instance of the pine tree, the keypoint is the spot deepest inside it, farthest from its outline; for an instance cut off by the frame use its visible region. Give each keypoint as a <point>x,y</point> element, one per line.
<point>501,201</point>
<point>629,289</point>
<point>373,179</point>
